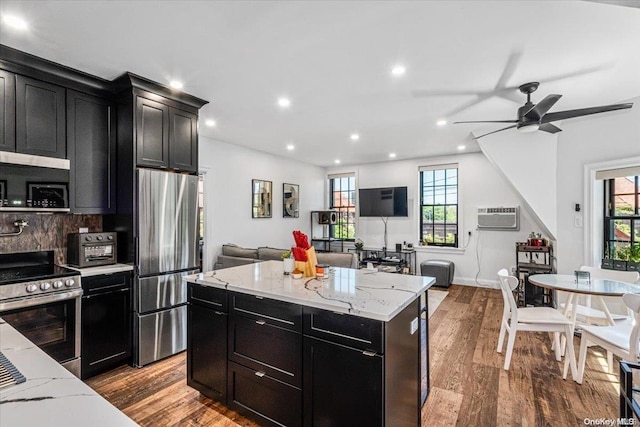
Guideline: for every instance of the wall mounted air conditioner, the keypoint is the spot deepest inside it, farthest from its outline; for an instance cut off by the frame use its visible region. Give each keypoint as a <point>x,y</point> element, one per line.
<point>499,218</point>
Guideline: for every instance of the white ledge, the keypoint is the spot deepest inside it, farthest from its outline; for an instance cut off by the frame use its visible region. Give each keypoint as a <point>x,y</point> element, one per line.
<point>440,250</point>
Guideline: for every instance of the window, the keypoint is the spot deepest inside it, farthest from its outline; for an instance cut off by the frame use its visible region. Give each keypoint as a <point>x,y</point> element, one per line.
<point>439,205</point>
<point>622,218</point>
<point>342,198</point>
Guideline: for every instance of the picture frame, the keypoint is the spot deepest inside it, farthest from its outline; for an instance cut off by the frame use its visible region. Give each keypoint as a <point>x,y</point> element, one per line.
<point>290,200</point>
<point>261,198</point>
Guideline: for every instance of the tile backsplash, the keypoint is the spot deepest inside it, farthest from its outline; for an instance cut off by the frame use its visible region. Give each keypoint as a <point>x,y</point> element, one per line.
<point>44,232</point>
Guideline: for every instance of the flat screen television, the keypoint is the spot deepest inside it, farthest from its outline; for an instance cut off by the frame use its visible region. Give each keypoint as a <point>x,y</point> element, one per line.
<point>383,202</point>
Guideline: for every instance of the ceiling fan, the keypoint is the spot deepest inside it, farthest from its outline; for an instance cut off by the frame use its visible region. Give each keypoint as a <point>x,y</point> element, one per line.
<point>533,117</point>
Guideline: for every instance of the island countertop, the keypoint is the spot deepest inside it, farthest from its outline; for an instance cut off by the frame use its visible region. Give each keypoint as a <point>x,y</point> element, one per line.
<point>51,395</point>
<point>373,295</point>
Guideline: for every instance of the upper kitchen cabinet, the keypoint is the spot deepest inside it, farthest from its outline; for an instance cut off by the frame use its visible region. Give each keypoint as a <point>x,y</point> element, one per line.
<point>40,118</point>
<point>91,148</point>
<point>157,126</point>
<point>7,111</point>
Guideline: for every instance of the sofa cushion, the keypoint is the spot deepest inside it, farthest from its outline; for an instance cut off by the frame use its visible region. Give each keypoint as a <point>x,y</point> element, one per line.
<point>225,261</point>
<point>237,251</point>
<point>265,253</point>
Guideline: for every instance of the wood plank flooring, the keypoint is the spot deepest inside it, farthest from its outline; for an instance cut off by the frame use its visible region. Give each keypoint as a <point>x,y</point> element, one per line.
<point>468,385</point>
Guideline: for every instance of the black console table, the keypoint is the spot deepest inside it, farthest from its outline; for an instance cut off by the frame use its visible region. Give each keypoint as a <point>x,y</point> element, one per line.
<point>390,261</point>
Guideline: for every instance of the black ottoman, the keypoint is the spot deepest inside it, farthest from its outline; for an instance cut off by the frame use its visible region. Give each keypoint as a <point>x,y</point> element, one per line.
<point>442,270</point>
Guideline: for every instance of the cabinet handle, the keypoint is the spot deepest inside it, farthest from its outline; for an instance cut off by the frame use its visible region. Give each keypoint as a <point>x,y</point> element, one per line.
<point>369,353</point>
<point>260,374</point>
<point>260,322</point>
<point>259,297</point>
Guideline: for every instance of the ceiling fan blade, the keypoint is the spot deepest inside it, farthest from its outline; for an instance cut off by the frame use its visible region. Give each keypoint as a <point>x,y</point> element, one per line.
<point>495,131</point>
<point>419,93</point>
<point>561,115</point>
<point>509,69</point>
<point>541,108</point>
<point>488,121</point>
<point>548,127</point>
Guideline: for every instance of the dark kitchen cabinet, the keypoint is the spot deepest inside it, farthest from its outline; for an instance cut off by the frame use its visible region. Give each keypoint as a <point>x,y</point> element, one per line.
<point>265,359</point>
<point>106,322</point>
<point>152,133</point>
<point>166,137</point>
<point>40,118</point>
<point>207,341</point>
<point>7,111</point>
<point>342,385</point>
<point>91,148</point>
<point>183,140</point>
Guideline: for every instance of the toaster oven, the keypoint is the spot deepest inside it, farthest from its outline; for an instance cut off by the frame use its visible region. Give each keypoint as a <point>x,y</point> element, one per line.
<point>91,249</point>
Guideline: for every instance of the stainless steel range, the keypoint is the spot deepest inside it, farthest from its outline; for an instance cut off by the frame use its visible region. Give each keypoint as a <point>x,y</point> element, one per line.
<point>42,301</point>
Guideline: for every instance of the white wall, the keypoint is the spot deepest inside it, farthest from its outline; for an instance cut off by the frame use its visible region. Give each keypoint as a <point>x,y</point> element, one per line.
<point>611,138</point>
<point>229,170</point>
<point>584,141</point>
<point>480,185</point>
<point>528,162</point>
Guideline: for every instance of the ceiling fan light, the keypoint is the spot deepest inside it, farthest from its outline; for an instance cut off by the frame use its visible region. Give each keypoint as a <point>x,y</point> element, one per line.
<point>529,128</point>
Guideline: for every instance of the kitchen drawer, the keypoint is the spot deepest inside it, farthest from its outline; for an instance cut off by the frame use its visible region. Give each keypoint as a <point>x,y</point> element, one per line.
<point>259,396</point>
<point>263,345</point>
<point>207,296</point>
<point>284,314</point>
<point>352,331</point>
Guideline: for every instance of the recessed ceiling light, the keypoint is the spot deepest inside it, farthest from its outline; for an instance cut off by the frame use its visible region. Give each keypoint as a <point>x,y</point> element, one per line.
<point>284,102</point>
<point>441,122</point>
<point>461,147</point>
<point>290,147</point>
<point>15,22</point>
<point>398,70</point>
<point>392,155</point>
<point>354,137</point>
<point>176,84</point>
<point>336,161</point>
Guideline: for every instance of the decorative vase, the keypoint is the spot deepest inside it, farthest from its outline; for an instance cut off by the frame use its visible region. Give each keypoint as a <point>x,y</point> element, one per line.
<point>289,265</point>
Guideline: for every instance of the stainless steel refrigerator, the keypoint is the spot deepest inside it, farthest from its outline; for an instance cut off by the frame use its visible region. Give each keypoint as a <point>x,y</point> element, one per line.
<point>166,252</point>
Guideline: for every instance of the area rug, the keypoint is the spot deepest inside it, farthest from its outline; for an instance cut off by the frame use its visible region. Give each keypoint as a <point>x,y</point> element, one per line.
<point>435,299</point>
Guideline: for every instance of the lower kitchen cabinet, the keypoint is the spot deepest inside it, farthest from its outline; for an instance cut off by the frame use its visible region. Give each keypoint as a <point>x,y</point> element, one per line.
<point>259,396</point>
<point>342,385</point>
<point>106,322</point>
<point>207,341</point>
<point>207,351</point>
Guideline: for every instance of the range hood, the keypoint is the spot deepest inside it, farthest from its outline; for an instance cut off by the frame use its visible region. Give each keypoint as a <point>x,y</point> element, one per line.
<point>33,183</point>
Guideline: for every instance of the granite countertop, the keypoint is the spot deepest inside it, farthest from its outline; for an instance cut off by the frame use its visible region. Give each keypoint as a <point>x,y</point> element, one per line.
<point>51,395</point>
<point>373,295</point>
<point>102,269</point>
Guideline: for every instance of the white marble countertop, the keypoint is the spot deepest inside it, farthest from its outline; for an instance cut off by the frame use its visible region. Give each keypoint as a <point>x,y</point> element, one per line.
<point>51,396</point>
<point>373,295</point>
<point>101,269</point>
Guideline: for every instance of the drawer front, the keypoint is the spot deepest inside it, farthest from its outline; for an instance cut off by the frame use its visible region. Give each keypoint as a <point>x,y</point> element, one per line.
<point>284,314</point>
<point>260,397</point>
<point>266,347</point>
<point>352,331</point>
<point>207,296</point>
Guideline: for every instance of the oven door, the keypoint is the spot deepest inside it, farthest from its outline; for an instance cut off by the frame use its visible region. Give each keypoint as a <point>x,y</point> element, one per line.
<point>52,322</point>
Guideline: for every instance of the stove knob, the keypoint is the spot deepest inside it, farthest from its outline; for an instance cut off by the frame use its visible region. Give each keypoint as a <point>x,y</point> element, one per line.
<point>57,284</point>
<point>69,283</point>
<point>44,286</point>
<point>109,237</point>
<point>99,237</point>
<point>32,288</point>
<point>88,238</point>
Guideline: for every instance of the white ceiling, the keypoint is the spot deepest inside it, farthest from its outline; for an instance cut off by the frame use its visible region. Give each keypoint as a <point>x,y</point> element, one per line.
<point>333,59</point>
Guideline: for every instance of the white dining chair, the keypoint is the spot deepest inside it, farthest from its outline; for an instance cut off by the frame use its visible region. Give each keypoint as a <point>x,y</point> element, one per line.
<point>620,339</point>
<point>537,319</point>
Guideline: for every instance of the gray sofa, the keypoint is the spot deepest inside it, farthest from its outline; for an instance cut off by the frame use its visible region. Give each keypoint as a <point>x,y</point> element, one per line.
<point>233,255</point>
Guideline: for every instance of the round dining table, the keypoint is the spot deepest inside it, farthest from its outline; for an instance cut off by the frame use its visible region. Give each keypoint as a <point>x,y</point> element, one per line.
<point>598,287</point>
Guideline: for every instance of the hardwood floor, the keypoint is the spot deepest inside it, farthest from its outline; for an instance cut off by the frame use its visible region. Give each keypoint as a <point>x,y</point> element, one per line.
<point>468,385</point>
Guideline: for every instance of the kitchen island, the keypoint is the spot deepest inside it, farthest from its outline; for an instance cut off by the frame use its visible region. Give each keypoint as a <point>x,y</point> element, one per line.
<point>51,395</point>
<point>348,349</point>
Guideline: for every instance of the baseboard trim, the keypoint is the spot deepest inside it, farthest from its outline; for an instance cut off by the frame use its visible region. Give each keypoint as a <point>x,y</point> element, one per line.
<point>481,283</point>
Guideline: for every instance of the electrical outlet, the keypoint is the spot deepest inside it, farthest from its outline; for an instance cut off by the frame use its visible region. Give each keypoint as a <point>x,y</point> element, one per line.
<point>577,221</point>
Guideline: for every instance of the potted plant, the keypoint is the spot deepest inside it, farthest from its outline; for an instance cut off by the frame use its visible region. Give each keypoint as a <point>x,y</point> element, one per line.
<point>633,262</point>
<point>288,262</point>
